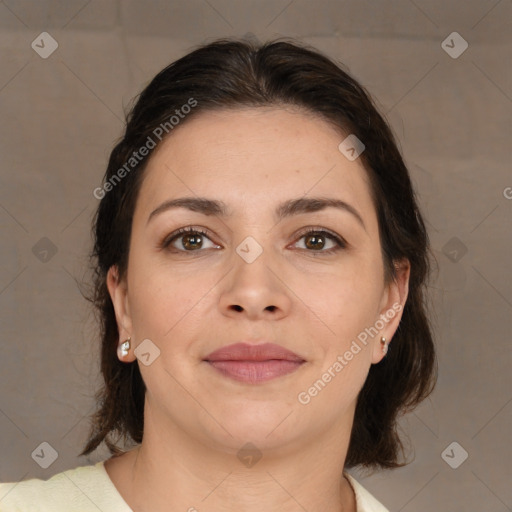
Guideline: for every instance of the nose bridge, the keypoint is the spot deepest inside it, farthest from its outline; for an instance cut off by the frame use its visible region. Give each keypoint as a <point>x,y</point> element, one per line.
<point>253,261</point>
<point>254,285</point>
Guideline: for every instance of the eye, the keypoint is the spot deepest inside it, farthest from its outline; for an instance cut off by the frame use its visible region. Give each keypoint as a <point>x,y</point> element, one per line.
<point>317,239</point>
<point>187,240</point>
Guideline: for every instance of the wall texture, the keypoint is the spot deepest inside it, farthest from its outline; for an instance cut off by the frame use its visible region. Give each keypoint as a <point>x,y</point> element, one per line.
<point>450,106</point>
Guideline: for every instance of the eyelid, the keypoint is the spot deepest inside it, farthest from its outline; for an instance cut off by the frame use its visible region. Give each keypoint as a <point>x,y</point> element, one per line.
<point>318,229</point>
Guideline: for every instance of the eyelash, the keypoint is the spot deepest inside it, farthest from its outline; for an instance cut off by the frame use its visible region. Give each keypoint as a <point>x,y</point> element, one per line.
<point>340,242</point>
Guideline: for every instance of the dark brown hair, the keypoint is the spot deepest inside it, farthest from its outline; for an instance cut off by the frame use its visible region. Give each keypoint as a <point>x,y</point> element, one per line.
<point>236,73</point>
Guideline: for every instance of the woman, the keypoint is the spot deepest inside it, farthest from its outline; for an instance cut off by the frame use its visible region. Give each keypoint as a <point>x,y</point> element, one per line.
<point>261,264</point>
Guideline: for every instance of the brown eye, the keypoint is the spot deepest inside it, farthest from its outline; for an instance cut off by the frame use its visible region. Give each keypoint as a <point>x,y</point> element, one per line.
<point>315,242</point>
<point>192,241</point>
<point>321,241</point>
<point>188,240</point>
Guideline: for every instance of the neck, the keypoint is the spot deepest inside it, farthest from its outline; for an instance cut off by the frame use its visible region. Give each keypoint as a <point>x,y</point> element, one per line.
<point>171,470</point>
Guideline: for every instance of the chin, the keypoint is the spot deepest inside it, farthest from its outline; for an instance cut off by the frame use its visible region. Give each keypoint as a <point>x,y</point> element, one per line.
<point>266,426</point>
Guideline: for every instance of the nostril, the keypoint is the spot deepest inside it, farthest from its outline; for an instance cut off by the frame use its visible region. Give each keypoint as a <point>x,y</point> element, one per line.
<point>236,307</point>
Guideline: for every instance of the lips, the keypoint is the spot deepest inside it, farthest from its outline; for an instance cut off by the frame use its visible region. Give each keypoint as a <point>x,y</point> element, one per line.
<point>254,363</point>
<point>246,352</point>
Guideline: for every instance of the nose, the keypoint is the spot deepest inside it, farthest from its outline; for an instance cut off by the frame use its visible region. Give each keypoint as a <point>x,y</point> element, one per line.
<point>255,290</point>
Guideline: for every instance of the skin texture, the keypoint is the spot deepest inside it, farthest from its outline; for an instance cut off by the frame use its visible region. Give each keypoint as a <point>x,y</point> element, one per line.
<point>191,303</point>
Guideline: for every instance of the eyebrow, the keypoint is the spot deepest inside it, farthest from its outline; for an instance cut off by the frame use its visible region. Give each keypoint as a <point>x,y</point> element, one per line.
<point>286,209</point>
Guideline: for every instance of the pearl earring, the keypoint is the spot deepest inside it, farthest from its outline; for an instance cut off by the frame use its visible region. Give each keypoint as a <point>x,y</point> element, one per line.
<point>384,345</point>
<point>124,347</point>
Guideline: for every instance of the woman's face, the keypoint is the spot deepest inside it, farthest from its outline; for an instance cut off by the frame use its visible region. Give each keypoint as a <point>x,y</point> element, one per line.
<point>255,276</point>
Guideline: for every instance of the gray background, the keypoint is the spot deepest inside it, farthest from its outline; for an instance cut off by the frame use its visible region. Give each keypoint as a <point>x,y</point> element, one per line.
<point>60,117</point>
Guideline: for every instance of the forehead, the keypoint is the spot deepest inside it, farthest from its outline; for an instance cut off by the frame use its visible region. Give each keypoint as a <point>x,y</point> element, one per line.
<point>253,158</point>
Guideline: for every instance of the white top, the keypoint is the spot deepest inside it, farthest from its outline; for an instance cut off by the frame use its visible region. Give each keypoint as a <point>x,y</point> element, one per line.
<point>89,489</point>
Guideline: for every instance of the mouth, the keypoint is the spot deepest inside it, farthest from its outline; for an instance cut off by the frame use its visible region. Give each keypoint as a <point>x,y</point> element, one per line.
<point>254,363</point>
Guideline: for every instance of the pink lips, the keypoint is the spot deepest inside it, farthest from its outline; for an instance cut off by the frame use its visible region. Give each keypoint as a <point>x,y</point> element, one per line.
<point>254,363</point>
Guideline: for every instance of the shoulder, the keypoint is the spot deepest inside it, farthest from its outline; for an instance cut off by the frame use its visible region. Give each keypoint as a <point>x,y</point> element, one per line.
<point>365,501</point>
<point>82,489</point>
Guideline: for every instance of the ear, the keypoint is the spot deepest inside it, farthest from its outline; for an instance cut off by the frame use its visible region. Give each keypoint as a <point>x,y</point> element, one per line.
<point>391,308</point>
<point>118,291</point>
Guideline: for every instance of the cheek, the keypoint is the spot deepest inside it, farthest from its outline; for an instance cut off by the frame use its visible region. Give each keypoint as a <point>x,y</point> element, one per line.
<point>346,302</point>
<point>167,305</point>
<point>343,353</point>
<point>157,304</point>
